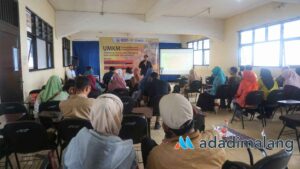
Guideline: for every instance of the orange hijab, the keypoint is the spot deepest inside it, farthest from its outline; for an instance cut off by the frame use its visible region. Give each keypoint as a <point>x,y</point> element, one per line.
<point>247,85</point>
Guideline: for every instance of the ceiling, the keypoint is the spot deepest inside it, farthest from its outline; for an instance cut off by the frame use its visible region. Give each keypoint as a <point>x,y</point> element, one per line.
<point>220,9</point>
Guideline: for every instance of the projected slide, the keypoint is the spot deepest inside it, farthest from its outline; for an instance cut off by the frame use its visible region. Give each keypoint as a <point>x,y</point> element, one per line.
<point>176,61</point>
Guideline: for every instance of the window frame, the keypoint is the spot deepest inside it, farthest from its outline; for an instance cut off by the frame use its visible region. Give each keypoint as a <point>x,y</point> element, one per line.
<point>203,50</point>
<point>45,34</point>
<point>66,45</point>
<point>281,41</point>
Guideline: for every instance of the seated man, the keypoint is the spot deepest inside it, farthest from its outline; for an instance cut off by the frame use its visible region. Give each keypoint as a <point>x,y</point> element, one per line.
<point>155,89</point>
<point>78,105</point>
<point>177,116</point>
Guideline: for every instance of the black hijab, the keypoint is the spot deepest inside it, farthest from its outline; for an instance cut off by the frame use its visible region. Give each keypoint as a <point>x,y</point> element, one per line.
<point>267,78</point>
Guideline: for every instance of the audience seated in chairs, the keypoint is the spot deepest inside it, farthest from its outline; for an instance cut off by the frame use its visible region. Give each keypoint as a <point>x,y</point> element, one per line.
<point>291,84</point>
<point>108,75</point>
<point>267,84</point>
<point>247,85</point>
<point>206,100</point>
<point>78,105</point>
<point>95,87</point>
<point>53,92</point>
<point>101,147</point>
<point>233,84</point>
<point>117,81</point>
<point>154,88</point>
<point>177,116</point>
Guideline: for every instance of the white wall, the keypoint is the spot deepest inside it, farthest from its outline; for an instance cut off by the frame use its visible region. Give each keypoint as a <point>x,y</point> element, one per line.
<point>34,80</point>
<point>228,49</point>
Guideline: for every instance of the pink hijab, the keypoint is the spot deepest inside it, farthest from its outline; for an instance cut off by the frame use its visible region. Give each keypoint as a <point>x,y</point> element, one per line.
<point>291,78</point>
<point>116,83</point>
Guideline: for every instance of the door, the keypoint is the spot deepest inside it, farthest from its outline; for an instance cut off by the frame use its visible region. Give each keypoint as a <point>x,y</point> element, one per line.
<point>11,84</point>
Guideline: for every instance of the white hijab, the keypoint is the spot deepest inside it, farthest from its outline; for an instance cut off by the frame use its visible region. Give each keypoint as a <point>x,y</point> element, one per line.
<point>106,114</point>
<point>291,78</point>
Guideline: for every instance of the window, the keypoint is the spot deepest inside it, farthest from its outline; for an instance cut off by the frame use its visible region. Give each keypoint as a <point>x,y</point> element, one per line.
<point>67,59</point>
<point>272,45</point>
<point>39,43</point>
<point>201,51</point>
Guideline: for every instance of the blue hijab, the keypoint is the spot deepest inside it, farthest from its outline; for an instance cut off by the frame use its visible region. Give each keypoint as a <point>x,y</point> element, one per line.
<point>219,79</point>
<point>146,78</point>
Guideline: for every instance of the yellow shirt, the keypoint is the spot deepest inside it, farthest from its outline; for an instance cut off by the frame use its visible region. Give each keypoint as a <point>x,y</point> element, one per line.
<point>266,91</point>
<point>165,156</point>
<point>77,106</point>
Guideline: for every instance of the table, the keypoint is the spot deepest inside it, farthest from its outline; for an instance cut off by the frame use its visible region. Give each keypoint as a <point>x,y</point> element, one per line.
<point>291,105</point>
<point>55,116</point>
<point>244,137</point>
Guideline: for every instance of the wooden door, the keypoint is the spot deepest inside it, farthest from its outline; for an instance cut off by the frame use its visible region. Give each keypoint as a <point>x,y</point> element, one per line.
<point>11,84</point>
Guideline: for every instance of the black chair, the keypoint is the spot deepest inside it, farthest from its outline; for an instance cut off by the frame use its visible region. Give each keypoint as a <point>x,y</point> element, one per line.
<point>272,101</point>
<point>195,87</point>
<point>222,94</point>
<point>291,121</point>
<point>120,92</point>
<point>128,104</point>
<point>253,104</point>
<point>52,106</point>
<point>68,128</point>
<point>279,160</point>
<point>10,108</point>
<point>134,127</point>
<point>27,137</point>
<point>49,106</point>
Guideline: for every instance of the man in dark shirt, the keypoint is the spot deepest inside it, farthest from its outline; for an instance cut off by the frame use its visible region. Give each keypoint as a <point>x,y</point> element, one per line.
<point>145,65</point>
<point>107,76</point>
<point>155,90</point>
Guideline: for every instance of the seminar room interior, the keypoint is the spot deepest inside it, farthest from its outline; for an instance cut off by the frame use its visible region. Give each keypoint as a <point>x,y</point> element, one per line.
<point>111,84</point>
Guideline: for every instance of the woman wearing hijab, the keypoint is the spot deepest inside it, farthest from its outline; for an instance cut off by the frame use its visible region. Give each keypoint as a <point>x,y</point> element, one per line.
<point>135,81</point>
<point>291,84</point>
<point>117,82</point>
<point>247,85</point>
<point>267,84</point>
<point>53,92</point>
<point>100,147</point>
<point>206,100</point>
<point>95,87</point>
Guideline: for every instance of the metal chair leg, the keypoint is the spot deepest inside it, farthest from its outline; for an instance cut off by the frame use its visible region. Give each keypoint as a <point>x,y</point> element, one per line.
<point>8,162</point>
<point>18,162</point>
<point>281,131</point>
<point>243,121</point>
<point>297,138</point>
<point>233,116</point>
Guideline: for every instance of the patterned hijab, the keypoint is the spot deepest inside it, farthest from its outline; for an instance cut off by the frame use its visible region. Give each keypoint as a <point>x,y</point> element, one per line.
<point>53,88</point>
<point>106,114</point>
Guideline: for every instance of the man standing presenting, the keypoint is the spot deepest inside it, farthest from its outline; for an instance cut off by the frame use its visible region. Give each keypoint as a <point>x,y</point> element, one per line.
<point>145,65</point>
<point>70,73</point>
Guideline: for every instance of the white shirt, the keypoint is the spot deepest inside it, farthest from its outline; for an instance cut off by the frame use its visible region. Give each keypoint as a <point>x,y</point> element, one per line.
<point>70,74</point>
